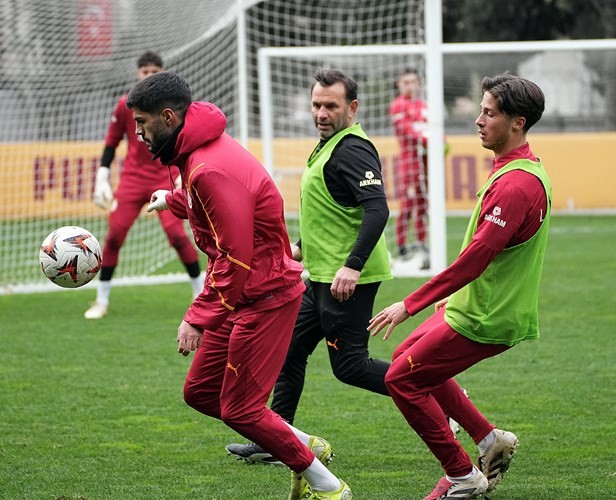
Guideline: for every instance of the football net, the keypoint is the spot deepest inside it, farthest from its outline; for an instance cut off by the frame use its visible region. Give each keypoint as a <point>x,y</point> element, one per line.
<point>66,62</point>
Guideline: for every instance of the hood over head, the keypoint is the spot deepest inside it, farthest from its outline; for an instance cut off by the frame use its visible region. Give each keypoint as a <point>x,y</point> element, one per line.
<point>203,123</point>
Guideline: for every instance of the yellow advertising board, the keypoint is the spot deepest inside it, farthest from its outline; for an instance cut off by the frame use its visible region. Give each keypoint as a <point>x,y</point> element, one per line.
<point>56,179</point>
<point>582,169</point>
<point>50,179</point>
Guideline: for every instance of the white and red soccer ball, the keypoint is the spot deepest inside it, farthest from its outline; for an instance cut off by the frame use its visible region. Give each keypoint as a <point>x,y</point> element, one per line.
<point>70,256</point>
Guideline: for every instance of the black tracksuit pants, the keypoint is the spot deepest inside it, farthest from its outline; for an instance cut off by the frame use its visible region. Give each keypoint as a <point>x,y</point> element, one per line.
<point>344,326</point>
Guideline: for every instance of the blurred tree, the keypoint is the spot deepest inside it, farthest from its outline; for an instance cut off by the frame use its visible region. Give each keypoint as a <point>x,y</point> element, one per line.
<point>526,20</point>
<point>481,21</point>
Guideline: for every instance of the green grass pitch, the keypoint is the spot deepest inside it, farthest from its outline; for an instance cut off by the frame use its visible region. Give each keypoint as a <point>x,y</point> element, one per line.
<point>93,409</point>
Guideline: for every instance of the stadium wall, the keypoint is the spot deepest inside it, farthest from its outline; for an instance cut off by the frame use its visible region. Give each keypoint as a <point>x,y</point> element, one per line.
<point>55,179</point>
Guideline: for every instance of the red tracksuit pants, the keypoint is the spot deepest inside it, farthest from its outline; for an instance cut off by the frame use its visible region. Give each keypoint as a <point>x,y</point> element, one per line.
<point>233,373</point>
<point>411,192</point>
<point>420,381</point>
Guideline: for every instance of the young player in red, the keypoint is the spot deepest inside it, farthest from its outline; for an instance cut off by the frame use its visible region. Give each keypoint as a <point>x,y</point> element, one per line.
<point>409,116</point>
<point>140,177</point>
<point>486,300</point>
<point>240,325</point>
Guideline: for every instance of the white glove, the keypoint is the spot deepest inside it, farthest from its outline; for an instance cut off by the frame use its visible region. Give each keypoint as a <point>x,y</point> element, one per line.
<point>157,201</point>
<point>178,182</point>
<point>103,194</point>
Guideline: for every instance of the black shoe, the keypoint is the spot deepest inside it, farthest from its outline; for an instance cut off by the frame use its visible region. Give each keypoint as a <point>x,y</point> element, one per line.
<point>403,252</point>
<point>251,453</point>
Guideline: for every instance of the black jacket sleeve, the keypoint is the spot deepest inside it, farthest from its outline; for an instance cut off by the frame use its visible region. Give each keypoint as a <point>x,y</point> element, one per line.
<point>353,177</point>
<point>372,226</point>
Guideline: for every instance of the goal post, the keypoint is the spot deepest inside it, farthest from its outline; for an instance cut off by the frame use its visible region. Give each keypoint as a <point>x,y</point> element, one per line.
<point>361,61</point>
<point>373,66</point>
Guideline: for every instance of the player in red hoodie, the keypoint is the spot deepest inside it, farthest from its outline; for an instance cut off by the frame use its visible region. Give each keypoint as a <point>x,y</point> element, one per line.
<point>240,326</point>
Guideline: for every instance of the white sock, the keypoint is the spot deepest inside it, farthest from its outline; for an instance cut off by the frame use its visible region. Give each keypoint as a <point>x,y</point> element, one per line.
<point>485,443</point>
<point>320,478</point>
<point>102,292</point>
<point>301,435</point>
<point>456,479</point>
<point>317,475</point>
<point>197,285</point>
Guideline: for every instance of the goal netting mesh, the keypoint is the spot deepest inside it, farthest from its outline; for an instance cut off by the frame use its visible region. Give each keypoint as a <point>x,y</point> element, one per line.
<point>66,62</point>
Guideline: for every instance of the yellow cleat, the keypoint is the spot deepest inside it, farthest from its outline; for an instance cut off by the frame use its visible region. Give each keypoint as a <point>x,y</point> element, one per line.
<point>323,451</point>
<point>342,493</point>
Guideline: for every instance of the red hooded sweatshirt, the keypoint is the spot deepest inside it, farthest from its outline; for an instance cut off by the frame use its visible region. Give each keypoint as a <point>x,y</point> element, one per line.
<point>236,214</point>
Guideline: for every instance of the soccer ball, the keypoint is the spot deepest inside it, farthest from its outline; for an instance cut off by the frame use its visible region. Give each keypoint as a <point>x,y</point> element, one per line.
<point>70,256</point>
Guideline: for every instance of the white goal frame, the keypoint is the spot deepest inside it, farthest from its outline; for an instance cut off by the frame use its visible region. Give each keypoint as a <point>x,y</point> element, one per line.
<point>433,51</point>
<point>433,54</point>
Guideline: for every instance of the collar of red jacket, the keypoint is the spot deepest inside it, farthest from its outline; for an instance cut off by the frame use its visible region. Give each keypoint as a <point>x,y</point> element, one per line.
<point>203,123</point>
<point>521,152</point>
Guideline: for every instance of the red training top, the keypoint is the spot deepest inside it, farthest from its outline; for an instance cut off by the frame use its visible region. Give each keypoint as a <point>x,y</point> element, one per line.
<point>409,118</point>
<point>521,200</point>
<point>237,217</point>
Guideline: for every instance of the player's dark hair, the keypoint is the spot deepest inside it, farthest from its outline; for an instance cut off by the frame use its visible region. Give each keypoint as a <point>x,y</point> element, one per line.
<point>329,77</point>
<point>516,96</point>
<point>409,71</point>
<point>159,91</point>
<point>150,58</point>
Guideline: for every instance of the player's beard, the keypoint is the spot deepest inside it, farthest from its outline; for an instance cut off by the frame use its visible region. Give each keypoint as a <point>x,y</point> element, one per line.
<point>336,124</point>
<point>160,134</point>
